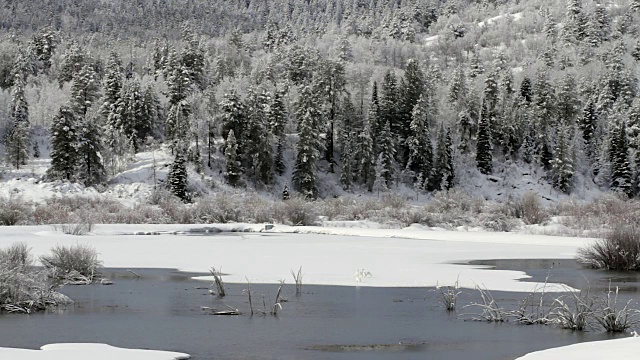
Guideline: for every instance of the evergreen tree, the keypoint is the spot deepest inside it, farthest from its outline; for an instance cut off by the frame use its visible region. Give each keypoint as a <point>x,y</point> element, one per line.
<point>278,161</point>
<point>526,93</point>
<point>309,146</point>
<point>193,57</point>
<point>113,82</point>
<point>365,157</point>
<point>285,193</point>
<point>84,90</point>
<point>587,124</point>
<point>234,113</point>
<point>620,178</point>
<point>448,169</point>
<point>90,167</point>
<point>257,152</point>
<point>635,5</point>
<point>457,87</point>
<point>419,141</point>
<point>177,177</point>
<point>568,104</point>
<point>574,29</point>
<point>329,85</point>
<point>234,167</point>
<point>347,159</point>
<point>388,109</point>
<point>380,182</point>
<point>413,88</point>
<point>64,139</point>
<point>17,138</point>
<point>562,164</point>
<point>387,152</point>
<point>440,161</point>
<point>635,53</point>
<point>475,65</point>
<point>374,115</point>
<point>484,157</point>
<point>36,150</point>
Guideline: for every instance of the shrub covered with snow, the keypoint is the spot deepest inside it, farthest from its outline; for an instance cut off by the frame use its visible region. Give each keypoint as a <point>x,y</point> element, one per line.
<point>619,250</point>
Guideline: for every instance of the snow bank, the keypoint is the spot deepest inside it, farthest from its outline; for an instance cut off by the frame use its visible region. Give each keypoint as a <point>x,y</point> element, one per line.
<point>411,257</point>
<point>514,17</point>
<point>87,351</point>
<point>627,348</point>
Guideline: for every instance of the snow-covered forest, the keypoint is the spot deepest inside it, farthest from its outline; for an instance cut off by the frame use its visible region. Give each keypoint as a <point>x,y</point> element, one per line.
<point>328,97</point>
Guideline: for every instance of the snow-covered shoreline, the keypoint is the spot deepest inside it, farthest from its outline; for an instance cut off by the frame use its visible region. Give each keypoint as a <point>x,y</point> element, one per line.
<point>87,351</point>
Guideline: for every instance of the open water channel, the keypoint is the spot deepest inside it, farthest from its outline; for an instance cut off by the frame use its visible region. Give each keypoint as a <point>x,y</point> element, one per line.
<point>162,310</point>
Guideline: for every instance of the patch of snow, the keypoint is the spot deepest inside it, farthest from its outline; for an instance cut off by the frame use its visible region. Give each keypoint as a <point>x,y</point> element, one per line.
<point>513,17</point>
<point>87,351</point>
<point>627,348</point>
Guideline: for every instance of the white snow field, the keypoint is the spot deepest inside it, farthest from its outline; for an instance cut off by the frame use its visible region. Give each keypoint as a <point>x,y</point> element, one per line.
<point>87,351</point>
<point>413,256</point>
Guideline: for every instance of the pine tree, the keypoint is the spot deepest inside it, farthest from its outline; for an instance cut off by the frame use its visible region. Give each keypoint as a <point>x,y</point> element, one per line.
<point>113,82</point>
<point>285,193</point>
<point>309,146</point>
<point>64,139</point>
<point>458,87</point>
<point>177,177</point>
<point>475,65</point>
<point>635,53</point>
<point>484,157</point>
<point>90,167</point>
<point>413,88</point>
<point>526,92</point>
<point>419,141</point>
<point>84,90</point>
<point>193,57</point>
<point>17,139</point>
<point>568,103</point>
<point>448,169</point>
<point>36,150</point>
<point>365,157</point>
<point>574,29</point>
<point>389,103</point>
<point>387,151</point>
<point>234,113</point>
<point>440,161</point>
<point>635,5</point>
<point>587,124</point>
<point>562,168</point>
<point>380,182</point>
<point>374,115</point>
<point>620,178</point>
<point>278,161</point>
<point>234,168</point>
<point>347,160</point>
<point>257,152</point>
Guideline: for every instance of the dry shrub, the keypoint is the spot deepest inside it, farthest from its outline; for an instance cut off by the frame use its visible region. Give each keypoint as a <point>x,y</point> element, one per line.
<point>23,289</point>
<point>601,212</point>
<point>14,210</point>
<point>296,211</point>
<point>219,208</point>
<point>394,201</point>
<point>455,201</point>
<point>530,209</point>
<point>176,211</point>
<point>65,260</point>
<point>619,250</point>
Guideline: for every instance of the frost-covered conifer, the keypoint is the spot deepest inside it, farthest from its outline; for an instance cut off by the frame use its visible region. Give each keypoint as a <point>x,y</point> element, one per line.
<point>64,140</point>
<point>309,145</point>
<point>234,168</point>
<point>419,141</point>
<point>484,156</point>
<point>17,138</point>
<point>562,168</point>
<point>620,177</point>
<point>177,177</point>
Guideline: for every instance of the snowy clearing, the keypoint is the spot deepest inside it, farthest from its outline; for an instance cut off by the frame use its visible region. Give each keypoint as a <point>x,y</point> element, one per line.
<point>87,351</point>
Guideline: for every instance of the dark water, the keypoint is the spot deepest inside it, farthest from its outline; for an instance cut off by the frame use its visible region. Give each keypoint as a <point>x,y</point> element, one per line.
<point>162,311</point>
